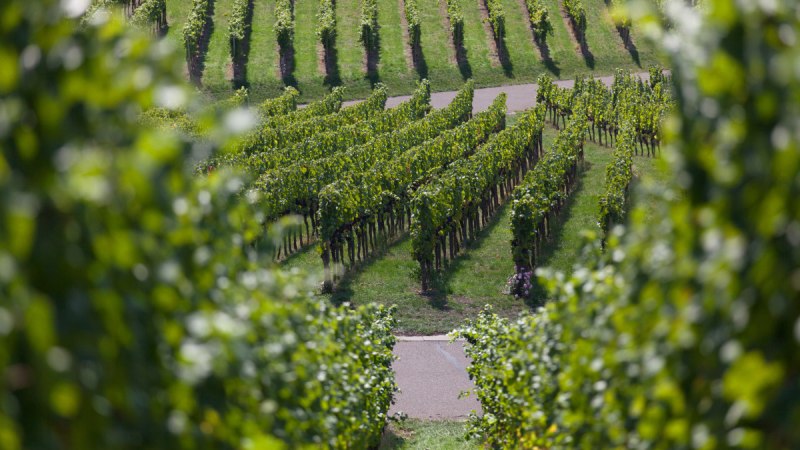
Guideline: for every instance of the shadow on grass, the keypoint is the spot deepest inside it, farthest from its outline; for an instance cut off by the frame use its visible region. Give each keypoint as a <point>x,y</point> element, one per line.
<point>503,56</point>
<point>372,49</point>
<point>625,34</point>
<point>391,439</point>
<point>332,77</point>
<point>240,49</point>
<point>579,33</point>
<point>539,296</point>
<point>586,52</point>
<point>417,55</point>
<point>343,288</point>
<point>461,53</point>
<point>440,281</point>
<point>547,60</point>
<point>286,56</point>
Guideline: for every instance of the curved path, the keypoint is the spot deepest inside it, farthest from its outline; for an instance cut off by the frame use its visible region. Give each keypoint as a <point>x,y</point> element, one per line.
<point>520,96</point>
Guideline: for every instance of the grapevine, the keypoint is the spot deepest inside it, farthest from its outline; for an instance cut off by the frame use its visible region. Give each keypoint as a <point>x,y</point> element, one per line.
<point>456,15</point>
<point>618,177</point>
<point>326,23</point>
<point>369,23</point>
<point>195,34</point>
<point>448,211</point>
<point>295,189</point>
<point>238,27</point>
<point>372,206</point>
<point>497,17</point>
<point>284,22</point>
<point>414,20</point>
<point>538,200</point>
<point>539,18</point>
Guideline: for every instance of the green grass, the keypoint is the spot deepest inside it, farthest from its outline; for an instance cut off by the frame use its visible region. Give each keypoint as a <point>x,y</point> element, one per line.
<point>651,177</point>
<point>349,49</point>
<point>263,73</point>
<point>177,12</point>
<point>218,57</point>
<point>524,63</point>
<point>477,47</point>
<point>439,55</point>
<point>426,435</point>
<point>478,276</point>
<point>306,57</point>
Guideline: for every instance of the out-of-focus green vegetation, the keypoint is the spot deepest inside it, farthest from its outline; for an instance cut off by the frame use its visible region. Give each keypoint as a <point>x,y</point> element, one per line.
<point>684,333</point>
<point>137,307</point>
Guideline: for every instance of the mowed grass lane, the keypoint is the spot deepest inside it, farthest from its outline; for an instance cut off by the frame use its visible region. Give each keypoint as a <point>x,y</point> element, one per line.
<point>263,72</point>
<point>477,47</point>
<point>439,60</point>
<point>393,68</point>
<point>525,63</point>
<point>350,51</point>
<point>307,68</point>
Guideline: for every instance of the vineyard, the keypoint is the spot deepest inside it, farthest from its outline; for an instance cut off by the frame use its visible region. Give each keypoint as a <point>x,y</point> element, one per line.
<point>313,45</point>
<point>179,273</point>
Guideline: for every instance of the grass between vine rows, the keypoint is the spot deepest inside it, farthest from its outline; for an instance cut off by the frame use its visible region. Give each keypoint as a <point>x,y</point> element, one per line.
<point>440,63</point>
<point>478,276</point>
<point>426,435</point>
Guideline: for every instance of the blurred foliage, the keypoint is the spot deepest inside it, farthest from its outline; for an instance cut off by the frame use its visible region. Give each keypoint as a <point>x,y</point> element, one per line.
<point>686,334</point>
<point>137,309</point>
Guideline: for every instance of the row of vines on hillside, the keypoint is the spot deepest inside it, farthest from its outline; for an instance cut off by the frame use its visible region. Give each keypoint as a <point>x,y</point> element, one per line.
<point>360,213</point>
<point>326,23</point>
<point>619,174</point>
<point>239,28</point>
<point>577,17</point>
<point>497,17</point>
<point>195,36</point>
<point>629,99</point>
<point>295,189</point>
<point>539,18</point>
<point>621,19</point>
<point>538,200</point>
<point>284,23</point>
<point>414,20</point>
<point>455,14</point>
<point>151,13</point>
<point>448,211</point>
<point>194,123</point>
<point>287,132</point>
<point>369,23</point>
<point>290,128</point>
<point>328,143</point>
<point>147,14</point>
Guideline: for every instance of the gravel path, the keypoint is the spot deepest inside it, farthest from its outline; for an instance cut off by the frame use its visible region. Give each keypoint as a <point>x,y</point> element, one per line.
<point>431,373</point>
